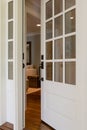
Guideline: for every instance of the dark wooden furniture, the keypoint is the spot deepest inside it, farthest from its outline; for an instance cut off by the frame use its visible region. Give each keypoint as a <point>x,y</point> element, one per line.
<point>34,81</point>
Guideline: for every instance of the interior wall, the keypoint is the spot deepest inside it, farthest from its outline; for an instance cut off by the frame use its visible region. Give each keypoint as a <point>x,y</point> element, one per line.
<point>2,63</point>
<point>35,49</point>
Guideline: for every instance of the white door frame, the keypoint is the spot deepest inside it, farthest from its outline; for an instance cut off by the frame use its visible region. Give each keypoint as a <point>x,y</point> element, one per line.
<point>18,64</point>
<point>2,63</point>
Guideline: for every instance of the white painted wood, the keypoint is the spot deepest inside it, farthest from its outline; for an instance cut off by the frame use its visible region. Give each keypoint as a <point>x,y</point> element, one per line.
<point>82,62</point>
<point>24,97</point>
<point>2,63</point>
<point>13,96</point>
<point>70,100</point>
<point>63,106</point>
<point>10,84</point>
<point>18,65</point>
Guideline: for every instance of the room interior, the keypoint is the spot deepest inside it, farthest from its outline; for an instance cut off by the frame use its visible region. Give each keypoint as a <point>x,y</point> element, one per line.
<point>32,8</point>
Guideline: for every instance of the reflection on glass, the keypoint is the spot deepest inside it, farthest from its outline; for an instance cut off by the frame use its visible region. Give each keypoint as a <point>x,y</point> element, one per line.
<point>10,50</point>
<point>10,10</point>
<point>70,47</point>
<point>49,30</point>
<point>58,71</point>
<point>69,3</point>
<point>58,6</point>
<point>10,30</point>
<point>49,9</point>
<point>49,72</point>
<point>70,73</point>
<point>70,20</point>
<point>58,27</point>
<point>58,49</point>
<point>49,50</point>
<point>10,70</point>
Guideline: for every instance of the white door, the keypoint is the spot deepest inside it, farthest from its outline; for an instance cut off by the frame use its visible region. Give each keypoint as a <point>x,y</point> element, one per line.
<point>58,53</point>
<point>14,113</point>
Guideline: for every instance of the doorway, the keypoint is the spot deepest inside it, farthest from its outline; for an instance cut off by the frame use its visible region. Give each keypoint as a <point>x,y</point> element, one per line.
<point>32,70</point>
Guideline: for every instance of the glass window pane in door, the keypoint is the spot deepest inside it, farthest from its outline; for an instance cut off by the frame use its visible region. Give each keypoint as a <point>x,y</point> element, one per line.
<point>58,26</point>
<point>49,50</point>
<point>70,47</point>
<point>10,30</point>
<point>10,70</point>
<point>70,21</point>
<point>49,30</point>
<point>49,71</point>
<point>58,49</point>
<point>58,71</point>
<point>10,10</point>
<point>49,9</point>
<point>69,3</point>
<point>58,6</point>
<point>10,50</point>
<point>70,73</point>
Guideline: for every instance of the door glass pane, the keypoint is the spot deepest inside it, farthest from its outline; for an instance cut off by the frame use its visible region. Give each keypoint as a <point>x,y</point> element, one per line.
<point>49,71</point>
<point>69,3</point>
<point>49,9</point>
<point>49,30</point>
<point>58,6</point>
<point>70,47</point>
<point>10,50</point>
<point>58,49</point>
<point>58,26</point>
<point>49,50</point>
<point>70,19</point>
<point>10,10</point>
<point>58,71</point>
<point>10,30</point>
<point>70,75</point>
<point>10,70</point>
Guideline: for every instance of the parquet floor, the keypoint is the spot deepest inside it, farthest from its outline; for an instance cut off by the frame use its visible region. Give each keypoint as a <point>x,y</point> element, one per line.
<point>33,113</point>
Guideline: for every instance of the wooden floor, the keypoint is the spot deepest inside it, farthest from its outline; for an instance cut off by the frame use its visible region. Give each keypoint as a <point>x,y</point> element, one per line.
<point>6,126</point>
<point>33,113</point>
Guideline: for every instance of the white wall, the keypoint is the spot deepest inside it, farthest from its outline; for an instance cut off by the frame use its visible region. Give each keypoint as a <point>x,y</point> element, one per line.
<point>35,49</point>
<point>2,63</point>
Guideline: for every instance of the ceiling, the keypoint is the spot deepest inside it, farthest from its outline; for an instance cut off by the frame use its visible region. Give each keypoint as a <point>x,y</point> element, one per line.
<point>33,16</point>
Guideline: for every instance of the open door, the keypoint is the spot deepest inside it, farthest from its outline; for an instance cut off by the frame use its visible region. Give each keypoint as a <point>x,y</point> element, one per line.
<point>58,55</point>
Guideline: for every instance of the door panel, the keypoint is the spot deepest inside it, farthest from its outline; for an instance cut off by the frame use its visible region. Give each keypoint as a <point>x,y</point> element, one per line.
<point>59,90</point>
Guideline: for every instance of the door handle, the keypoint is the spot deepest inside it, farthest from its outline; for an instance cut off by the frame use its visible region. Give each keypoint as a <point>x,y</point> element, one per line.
<point>23,65</point>
<point>41,79</point>
<point>42,65</point>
